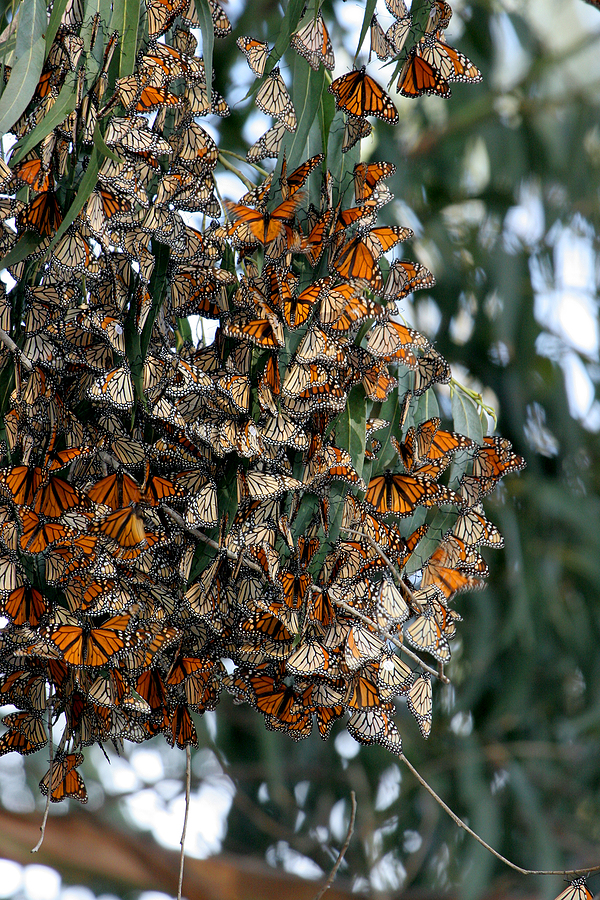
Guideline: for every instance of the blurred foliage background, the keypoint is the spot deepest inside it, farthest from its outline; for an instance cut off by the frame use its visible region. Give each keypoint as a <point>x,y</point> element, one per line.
<point>501,185</point>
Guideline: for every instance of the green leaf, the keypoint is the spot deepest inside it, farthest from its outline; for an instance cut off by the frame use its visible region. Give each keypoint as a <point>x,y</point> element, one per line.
<point>65,104</point>
<point>103,147</point>
<point>208,41</point>
<point>22,249</point>
<point>350,427</point>
<point>308,87</point>
<point>33,21</point>
<point>125,20</point>
<point>289,24</point>
<point>426,407</point>
<point>369,11</point>
<point>24,79</point>
<point>58,8</point>
<point>326,115</point>
<point>86,186</point>
<point>466,417</point>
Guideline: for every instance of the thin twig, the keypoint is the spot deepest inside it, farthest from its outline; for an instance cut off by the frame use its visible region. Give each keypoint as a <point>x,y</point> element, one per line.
<point>202,537</point>
<point>240,175</point>
<point>458,821</point>
<point>248,162</point>
<point>393,569</point>
<point>342,852</point>
<point>188,785</point>
<point>390,637</point>
<point>10,344</point>
<point>49,794</point>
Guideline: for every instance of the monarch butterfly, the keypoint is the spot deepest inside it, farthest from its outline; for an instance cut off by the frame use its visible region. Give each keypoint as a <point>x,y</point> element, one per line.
<point>161,14</point>
<point>425,633</point>
<point>63,780</point>
<point>393,676</point>
<point>85,647</point>
<point>388,337</point>
<point>391,605</point>
<point>202,508</point>
<point>180,728</point>
<point>492,460</point>
<point>361,647</point>
<point>32,172</point>
<point>56,497</point>
<point>310,658</point>
<point>26,733</point>
<point>432,369</point>
<point>326,716</point>
<point>439,16</point>
<point>451,65</point>
<point>266,332</point>
<point>312,41</point>
<point>419,77</point>
<point>256,53</point>
<point>262,485</point>
<point>419,701</point>
<point>38,535</point>
<point>368,175</point>
<point>397,8</point>
<point>361,693</point>
<point>404,277</point>
<point>114,387</point>
<point>22,483</point>
<point>378,382</point>
<point>126,527</point>
<point>401,494</point>
<point>577,890</point>
<point>250,226</point>
<point>473,527</point>
<point>380,46</point>
<point>355,130</point>
<point>398,32</point>
<point>221,23</point>
<point>375,726</point>
<point>273,99</point>
<point>359,95</point>
<point>291,183</point>
<point>358,258</point>
<point>440,571</point>
<point>43,215</point>
<point>268,145</point>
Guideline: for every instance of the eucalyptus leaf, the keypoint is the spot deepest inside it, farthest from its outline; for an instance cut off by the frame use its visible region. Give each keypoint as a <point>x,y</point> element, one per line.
<point>86,186</point>
<point>466,416</point>
<point>208,41</point>
<point>24,78</point>
<point>125,20</point>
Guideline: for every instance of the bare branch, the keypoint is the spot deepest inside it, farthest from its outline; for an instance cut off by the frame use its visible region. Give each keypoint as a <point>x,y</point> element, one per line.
<point>342,852</point>
<point>188,784</point>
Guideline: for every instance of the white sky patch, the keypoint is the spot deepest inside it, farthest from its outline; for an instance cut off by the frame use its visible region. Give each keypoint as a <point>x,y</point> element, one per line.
<point>207,822</point>
<point>11,877</point>
<point>388,789</point>
<point>41,883</point>
<point>524,224</point>
<point>281,854</point>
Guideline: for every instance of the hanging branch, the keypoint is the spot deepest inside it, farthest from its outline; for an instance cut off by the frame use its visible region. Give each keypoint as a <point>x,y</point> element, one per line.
<point>458,821</point>
<point>49,794</point>
<point>10,344</point>
<point>342,852</point>
<point>188,782</point>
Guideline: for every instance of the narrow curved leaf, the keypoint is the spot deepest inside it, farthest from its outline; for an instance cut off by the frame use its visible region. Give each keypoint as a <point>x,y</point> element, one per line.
<point>86,186</point>
<point>24,78</point>
<point>208,41</point>
<point>466,417</point>
<point>125,20</point>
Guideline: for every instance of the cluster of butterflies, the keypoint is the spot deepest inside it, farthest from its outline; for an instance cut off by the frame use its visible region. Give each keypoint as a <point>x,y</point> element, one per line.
<point>165,507</point>
<point>428,68</point>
